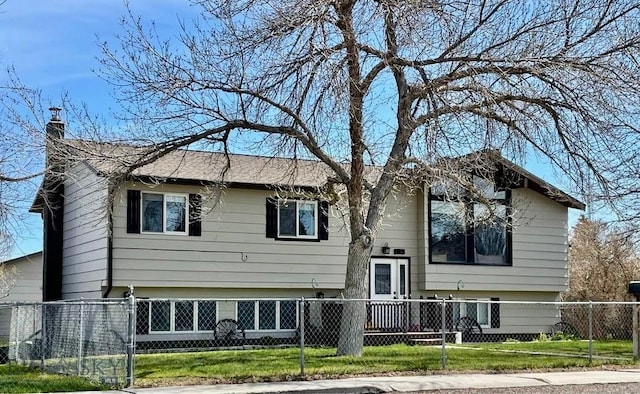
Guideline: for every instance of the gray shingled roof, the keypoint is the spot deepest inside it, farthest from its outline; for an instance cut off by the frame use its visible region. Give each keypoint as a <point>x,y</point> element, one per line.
<point>189,165</point>
<point>206,167</point>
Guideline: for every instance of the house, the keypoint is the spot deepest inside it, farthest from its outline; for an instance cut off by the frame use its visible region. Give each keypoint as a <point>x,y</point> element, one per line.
<point>27,271</point>
<point>157,230</point>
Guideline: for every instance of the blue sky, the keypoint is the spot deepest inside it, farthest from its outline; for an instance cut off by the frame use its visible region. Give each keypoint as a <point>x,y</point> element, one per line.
<point>53,46</point>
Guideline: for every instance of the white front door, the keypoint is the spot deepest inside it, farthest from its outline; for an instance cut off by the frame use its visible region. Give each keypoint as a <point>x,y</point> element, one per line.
<point>389,281</point>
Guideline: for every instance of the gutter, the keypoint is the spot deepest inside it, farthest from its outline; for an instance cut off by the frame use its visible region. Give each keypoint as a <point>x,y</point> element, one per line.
<point>109,249</point>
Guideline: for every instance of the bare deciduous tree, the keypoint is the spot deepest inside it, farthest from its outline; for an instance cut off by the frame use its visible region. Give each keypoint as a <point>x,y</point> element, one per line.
<point>8,278</point>
<point>391,83</point>
<point>602,261</point>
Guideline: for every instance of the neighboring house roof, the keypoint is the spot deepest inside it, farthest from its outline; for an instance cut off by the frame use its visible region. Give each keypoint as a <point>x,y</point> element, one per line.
<point>22,258</point>
<point>190,166</point>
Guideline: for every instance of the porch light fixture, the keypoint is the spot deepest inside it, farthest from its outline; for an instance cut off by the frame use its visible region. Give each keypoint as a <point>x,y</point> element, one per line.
<point>386,249</point>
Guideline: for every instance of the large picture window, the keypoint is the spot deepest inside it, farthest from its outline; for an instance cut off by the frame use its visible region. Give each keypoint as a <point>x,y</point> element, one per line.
<point>164,213</point>
<point>470,230</point>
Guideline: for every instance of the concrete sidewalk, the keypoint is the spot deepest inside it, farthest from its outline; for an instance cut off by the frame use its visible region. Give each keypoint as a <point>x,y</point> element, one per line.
<point>401,384</point>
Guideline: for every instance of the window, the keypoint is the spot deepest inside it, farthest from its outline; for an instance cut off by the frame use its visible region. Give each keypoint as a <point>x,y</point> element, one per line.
<point>160,316</point>
<point>206,315</point>
<point>268,315</point>
<point>163,213</point>
<point>246,317</point>
<point>183,317</point>
<point>297,219</point>
<point>177,316</point>
<point>479,311</point>
<point>466,231</point>
<point>302,220</point>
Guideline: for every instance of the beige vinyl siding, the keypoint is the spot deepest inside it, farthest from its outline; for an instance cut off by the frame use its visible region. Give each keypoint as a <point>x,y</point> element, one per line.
<point>232,231</point>
<point>85,232</point>
<point>401,230</point>
<point>27,288</point>
<point>540,247</point>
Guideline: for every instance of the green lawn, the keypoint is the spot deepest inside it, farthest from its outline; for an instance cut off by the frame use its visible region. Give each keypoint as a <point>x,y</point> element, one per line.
<point>283,364</point>
<point>606,349</point>
<point>17,379</point>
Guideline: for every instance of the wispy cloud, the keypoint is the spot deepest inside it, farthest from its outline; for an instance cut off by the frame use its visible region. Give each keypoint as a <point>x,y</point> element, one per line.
<point>48,40</point>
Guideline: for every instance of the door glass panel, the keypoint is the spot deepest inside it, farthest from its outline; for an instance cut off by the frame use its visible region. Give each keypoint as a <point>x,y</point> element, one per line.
<point>403,273</point>
<point>382,278</point>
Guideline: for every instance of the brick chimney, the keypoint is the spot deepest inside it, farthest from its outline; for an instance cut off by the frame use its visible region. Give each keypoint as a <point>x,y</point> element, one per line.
<point>53,210</point>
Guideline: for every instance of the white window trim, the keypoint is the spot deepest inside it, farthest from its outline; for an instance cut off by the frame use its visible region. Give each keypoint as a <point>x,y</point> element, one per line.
<point>256,316</point>
<point>164,213</point>
<point>172,317</point>
<point>463,306</point>
<point>297,221</point>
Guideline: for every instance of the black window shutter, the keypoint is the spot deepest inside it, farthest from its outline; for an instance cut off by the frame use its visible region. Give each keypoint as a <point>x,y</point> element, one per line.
<point>195,215</point>
<point>323,226</point>
<point>272,218</point>
<point>133,211</point>
<point>495,314</point>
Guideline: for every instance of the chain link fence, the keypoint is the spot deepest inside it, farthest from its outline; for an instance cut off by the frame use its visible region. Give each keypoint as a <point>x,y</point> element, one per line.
<point>90,339</point>
<point>97,339</point>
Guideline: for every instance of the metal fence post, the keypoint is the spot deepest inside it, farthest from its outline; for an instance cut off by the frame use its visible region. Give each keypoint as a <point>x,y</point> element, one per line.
<point>302,310</point>
<point>636,331</point>
<point>443,357</point>
<point>43,333</point>
<point>80,338</point>
<point>590,331</point>
<point>131,333</point>
<point>407,315</point>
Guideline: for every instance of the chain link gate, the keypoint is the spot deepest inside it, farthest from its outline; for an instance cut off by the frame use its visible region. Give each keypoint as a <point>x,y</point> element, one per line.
<point>86,338</point>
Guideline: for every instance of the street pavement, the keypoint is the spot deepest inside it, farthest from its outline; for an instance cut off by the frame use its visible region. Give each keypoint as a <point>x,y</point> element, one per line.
<point>413,384</point>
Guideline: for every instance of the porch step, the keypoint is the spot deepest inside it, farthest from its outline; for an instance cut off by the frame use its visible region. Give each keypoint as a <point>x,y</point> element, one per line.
<point>426,341</point>
<point>423,338</point>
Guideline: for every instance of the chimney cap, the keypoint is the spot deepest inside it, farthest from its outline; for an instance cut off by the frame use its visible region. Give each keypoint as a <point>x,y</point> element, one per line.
<point>55,113</point>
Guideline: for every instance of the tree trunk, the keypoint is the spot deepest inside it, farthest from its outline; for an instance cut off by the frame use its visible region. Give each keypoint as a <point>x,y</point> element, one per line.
<point>354,313</point>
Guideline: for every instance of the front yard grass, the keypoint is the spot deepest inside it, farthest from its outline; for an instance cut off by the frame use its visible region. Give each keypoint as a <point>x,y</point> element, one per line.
<point>283,364</point>
<point>18,379</point>
<point>601,349</point>
<point>233,366</point>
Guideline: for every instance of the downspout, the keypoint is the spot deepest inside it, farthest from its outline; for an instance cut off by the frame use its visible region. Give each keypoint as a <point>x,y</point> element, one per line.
<point>107,291</point>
